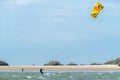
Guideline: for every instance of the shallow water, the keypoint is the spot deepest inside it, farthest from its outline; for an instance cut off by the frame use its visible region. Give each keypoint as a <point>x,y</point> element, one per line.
<point>60,76</point>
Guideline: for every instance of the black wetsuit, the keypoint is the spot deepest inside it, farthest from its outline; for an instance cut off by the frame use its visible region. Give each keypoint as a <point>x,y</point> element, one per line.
<point>41,71</point>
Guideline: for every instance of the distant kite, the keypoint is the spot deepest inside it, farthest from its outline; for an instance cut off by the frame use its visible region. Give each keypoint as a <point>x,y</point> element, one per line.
<point>96,10</point>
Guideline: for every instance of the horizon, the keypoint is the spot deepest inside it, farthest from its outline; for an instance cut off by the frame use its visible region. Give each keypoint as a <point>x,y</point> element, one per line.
<point>38,31</point>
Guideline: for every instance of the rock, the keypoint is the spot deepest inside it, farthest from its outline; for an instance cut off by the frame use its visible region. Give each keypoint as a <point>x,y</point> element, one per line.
<point>3,63</point>
<point>109,62</point>
<point>53,63</point>
<point>72,64</point>
<point>95,64</point>
<point>113,62</point>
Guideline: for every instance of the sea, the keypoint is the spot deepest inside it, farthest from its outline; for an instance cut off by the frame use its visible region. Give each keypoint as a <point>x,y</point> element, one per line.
<point>60,76</point>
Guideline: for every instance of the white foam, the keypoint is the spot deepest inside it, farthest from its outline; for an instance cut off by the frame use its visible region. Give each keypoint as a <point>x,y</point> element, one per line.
<point>41,77</point>
<point>29,77</point>
<point>13,75</point>
<point>48,74</point>
<point>70,76</point>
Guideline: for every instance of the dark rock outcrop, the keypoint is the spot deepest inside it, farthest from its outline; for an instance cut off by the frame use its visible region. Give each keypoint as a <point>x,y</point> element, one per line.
<point>72,64</point>
<point>53,63</point>
<point>95,64</point>
<point>113,62</point>
<point>2,63</point>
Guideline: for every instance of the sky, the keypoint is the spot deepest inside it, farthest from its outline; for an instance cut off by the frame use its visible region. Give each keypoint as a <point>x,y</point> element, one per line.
<point>38,31</point>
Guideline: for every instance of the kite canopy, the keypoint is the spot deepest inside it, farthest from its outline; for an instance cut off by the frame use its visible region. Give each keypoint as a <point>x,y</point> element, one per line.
<point>96,10</point>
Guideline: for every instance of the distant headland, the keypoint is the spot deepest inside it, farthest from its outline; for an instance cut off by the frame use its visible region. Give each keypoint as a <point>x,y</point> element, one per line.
<point>2,63</point>
<point>112,65</point>
<point>57,63</point>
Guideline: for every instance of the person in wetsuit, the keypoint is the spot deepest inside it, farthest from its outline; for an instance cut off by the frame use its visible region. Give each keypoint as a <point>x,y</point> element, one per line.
<point>22,69</point>
<point>41,71</point>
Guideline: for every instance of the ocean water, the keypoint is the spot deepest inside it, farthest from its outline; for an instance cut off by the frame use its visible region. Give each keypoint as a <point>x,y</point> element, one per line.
<point>60,76</point>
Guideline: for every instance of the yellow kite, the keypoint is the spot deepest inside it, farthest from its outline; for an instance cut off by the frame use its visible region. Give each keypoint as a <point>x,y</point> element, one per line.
<point>96,9</point>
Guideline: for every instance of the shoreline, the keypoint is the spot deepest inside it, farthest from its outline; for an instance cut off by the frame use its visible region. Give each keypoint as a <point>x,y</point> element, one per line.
<point>79,68</point>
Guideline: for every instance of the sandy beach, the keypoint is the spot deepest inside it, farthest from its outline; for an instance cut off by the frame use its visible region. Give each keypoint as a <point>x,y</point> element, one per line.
<point>62,68</point>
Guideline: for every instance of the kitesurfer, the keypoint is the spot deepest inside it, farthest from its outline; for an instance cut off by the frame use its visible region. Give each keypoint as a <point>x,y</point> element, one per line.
<point>22,69</point>
<point>41,71</point>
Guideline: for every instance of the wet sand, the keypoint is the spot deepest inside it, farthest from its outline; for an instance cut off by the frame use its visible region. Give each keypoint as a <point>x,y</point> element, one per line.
<point>61,68</point>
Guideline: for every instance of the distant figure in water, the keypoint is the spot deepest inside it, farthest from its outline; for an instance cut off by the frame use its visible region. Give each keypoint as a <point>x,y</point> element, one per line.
<point>41,71</point>
<point>22,69</point>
